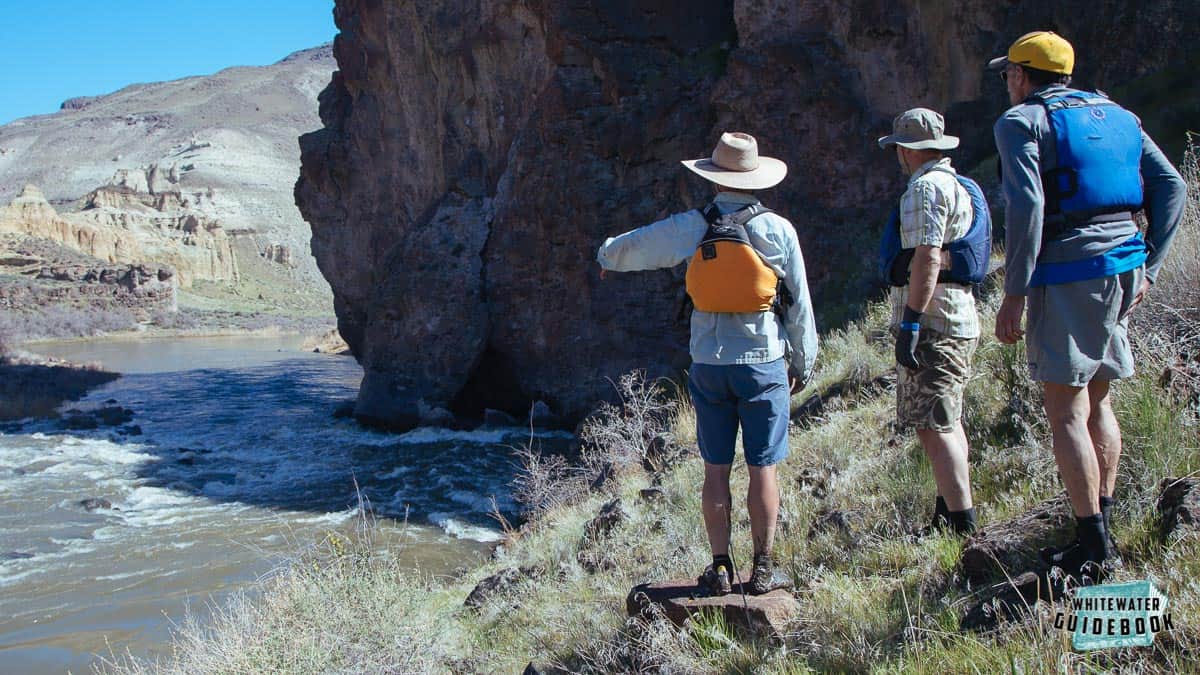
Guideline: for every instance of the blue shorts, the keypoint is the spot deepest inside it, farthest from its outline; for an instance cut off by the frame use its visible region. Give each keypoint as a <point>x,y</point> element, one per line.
<point>756,395</point>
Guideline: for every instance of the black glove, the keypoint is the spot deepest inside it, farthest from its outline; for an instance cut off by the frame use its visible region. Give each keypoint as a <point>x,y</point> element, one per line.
<point>797,381</point>
<point>906,339</point>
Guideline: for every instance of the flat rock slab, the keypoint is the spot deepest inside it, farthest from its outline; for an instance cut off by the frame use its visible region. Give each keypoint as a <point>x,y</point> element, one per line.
<point>680,599</point>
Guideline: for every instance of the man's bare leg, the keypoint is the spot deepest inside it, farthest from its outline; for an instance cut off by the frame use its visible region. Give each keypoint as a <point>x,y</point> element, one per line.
<point>763,503</point>
<point>1068,410</point>
<point>947,453</point>
<point>715,503</point>
<point>1106,435</point>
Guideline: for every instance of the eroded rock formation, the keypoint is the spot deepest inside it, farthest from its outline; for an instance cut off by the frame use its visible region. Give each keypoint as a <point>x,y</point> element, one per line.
<point>29,213</point>
<point>146,219</point>
<point>197,170</point>
<point>475,154</point>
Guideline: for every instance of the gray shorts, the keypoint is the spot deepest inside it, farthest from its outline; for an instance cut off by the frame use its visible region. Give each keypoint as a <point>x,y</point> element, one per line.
<point>1078,332</point>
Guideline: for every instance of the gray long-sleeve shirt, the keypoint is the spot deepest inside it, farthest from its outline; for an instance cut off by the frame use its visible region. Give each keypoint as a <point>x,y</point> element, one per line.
<point>729,338</point>
<point>1026,145</point>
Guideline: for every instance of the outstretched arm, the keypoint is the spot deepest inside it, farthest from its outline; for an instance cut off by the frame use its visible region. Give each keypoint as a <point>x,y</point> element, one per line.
<point>665,243</point>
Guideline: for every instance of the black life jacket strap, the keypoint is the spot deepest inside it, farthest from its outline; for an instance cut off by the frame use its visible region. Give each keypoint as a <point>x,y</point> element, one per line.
<point>1056,225</point>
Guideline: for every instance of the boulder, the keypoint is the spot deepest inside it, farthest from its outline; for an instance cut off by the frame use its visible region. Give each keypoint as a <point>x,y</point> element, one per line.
<point>434,416</point>
<point>330,342</point>
<point>605,478</point>
<point>611,515</point>
<point>111,416</point>
<point>1009,548</point>
<point>652,494</point>
<point>595,561</point>
<point>498,584</point>
<point>95,503</point>
<point>562,123</point>
<point>814,482</point>
<point>829,520</point>
<point>760,615</point>
<point>1008,600</point>
<point>1179,506</point>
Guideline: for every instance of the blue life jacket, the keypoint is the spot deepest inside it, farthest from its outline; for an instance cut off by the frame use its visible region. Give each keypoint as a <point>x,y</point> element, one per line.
<point>969,254</point>
<point>1098,153</point>
<point>1128,255</point>
<point>1096,178</point>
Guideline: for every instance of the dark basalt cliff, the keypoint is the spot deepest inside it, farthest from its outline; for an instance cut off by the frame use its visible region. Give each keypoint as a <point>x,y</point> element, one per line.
<point>476,153</point>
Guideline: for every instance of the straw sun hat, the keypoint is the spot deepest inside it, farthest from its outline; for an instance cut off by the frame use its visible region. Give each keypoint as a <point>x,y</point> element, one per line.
<point>735,163</point>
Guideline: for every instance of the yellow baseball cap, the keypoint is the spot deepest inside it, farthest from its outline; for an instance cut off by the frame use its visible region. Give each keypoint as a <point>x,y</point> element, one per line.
<point>1042,50</point>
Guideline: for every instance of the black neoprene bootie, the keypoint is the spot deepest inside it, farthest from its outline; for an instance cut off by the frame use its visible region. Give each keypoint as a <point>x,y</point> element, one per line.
<point>1086,561</point>
<point>963,522</point>
<point>941,520</point>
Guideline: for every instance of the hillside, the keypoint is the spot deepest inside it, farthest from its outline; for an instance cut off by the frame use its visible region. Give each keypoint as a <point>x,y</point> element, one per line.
<point>196,174</point>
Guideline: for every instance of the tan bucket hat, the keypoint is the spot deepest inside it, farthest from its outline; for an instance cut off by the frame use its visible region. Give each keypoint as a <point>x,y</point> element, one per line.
<point>919,129</point>
<point>735,163</point>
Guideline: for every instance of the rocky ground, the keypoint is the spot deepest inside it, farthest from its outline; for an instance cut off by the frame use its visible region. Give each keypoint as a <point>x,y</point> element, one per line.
<point>598,578</point>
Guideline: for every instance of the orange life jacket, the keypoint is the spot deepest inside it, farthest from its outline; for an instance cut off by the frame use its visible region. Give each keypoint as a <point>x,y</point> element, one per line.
<point>726,273</point>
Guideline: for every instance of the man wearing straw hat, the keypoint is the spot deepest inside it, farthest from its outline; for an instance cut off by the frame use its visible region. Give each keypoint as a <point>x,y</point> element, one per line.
<point>935,322</point>
<point>750,349</point>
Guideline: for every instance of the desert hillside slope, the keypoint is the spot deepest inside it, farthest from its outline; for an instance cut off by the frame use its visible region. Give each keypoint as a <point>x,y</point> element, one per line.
<point>194,173</point>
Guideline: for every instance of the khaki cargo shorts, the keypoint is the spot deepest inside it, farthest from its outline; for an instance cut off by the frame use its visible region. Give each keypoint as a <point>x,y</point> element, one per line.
<point>932,396</point>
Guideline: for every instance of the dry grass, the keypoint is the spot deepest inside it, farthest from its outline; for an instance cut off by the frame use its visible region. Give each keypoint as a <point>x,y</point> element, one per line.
<point>872,600</point>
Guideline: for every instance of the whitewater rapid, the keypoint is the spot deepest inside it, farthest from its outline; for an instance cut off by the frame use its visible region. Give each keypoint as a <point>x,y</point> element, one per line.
<point>239,465</point>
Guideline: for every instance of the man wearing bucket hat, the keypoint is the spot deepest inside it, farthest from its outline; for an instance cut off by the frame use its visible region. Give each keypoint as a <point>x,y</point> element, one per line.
<point>933,317</point>
<point>1075,166</point>
<point>746,341</point>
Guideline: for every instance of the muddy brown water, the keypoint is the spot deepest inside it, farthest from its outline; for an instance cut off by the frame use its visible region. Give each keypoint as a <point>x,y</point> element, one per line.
<point>238,469</point>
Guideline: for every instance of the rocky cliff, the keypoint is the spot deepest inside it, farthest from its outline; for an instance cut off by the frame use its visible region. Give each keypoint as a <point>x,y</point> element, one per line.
<point>475,154</point>
<point>194,173</point>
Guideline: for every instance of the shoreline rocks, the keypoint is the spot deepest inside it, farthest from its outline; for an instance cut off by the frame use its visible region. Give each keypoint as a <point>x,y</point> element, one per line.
<point>35,388</point>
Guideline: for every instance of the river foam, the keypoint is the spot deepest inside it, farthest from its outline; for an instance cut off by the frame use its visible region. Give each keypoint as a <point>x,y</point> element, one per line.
<point>236,470</point>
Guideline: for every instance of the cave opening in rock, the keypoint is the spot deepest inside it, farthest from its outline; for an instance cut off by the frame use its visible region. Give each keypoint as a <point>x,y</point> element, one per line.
<point>492,384</point>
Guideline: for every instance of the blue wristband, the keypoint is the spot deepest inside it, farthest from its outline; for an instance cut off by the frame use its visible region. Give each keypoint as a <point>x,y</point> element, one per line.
<point>910,326</point>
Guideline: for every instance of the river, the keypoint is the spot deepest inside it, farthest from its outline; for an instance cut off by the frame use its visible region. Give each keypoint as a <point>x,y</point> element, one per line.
<point>239,466</point>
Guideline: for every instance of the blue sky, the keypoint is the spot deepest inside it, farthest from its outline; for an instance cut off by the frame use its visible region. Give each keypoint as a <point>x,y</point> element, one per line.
<point>51,50</point>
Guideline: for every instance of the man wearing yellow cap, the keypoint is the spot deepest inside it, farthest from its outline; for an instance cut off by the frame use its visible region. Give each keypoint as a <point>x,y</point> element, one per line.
<point>1075,166</point>
<point>741,258</point>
